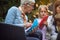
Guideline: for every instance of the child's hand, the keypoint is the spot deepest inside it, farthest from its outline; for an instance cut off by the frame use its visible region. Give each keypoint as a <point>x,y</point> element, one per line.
<point>45,23</point>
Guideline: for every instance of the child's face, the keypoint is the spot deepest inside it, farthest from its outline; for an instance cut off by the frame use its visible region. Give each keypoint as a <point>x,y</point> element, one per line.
<point>43,12</point>
<point>58,9</point>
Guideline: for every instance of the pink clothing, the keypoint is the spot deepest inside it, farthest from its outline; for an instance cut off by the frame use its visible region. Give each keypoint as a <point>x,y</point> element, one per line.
<point>50,26</point>
<point>43,30</point>
<point>44,33</point>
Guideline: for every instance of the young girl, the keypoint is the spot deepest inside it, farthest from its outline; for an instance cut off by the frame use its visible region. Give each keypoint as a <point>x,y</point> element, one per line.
<point>45,22</point>
<point>42,13</point>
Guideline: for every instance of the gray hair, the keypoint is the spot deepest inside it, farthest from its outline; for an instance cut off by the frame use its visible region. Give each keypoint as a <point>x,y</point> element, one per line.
<point>27,2</point>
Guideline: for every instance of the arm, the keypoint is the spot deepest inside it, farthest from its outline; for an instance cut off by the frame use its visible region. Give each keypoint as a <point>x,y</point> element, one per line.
<point>50,24</point>
<point>10,16</point>
<point>50,21</point>
<point>14,17</point>
<point>33,27</point>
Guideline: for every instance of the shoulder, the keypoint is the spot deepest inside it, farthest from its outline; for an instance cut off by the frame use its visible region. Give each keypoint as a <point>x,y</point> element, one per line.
<point>37,19</point>
<point>13,8</point>
<point>50,17</point>
<point>12,11</point>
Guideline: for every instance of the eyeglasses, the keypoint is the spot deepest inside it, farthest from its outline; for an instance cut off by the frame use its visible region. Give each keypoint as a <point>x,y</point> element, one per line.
<point>30,5</point>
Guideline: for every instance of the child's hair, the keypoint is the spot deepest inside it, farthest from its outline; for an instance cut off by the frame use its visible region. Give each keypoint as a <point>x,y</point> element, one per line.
<point>42,6</point>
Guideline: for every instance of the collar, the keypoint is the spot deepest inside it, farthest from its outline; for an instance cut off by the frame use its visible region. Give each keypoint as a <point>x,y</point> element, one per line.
<point>20,8</point>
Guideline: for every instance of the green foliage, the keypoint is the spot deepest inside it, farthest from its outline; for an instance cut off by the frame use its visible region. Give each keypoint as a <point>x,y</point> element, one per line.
<point>6,4</point>
<point>1,19</point>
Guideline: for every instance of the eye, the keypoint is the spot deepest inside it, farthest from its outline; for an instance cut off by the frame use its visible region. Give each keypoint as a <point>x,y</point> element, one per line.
<point>59,7</point>
<point>43,11</point>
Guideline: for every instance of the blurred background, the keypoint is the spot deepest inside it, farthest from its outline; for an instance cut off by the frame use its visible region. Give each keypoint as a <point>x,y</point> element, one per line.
<point>6,4</point>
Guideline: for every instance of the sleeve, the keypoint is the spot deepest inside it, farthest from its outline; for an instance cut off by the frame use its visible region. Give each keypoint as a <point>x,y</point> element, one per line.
<point>19,22</point>
<point>21,25</point>
<point>50,24</point>
<point>34,25</point>
<point>10,15</point>
<point>50,21</point>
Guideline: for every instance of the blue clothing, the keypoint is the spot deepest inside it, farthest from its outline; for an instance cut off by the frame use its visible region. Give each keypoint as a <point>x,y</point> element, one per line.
<point>14,17</point>
<point>34,25</point>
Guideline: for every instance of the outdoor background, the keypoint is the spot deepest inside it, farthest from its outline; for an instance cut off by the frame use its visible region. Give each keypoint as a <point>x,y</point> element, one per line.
<point>6,4</point>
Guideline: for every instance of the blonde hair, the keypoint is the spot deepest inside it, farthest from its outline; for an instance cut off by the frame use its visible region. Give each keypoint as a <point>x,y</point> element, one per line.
<point>42,6</point>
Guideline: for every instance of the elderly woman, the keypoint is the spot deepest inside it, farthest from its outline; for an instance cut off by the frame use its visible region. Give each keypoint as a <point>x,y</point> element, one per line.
<point>17,15</point>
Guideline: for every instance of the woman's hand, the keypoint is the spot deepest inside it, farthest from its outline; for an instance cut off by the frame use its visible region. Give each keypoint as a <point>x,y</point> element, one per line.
<point>27,25</point>
<point>34,30</point>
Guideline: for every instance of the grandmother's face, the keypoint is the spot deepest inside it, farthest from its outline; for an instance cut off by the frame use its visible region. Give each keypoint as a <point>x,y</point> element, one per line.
<point>43,12</point>
<point>30,7</point>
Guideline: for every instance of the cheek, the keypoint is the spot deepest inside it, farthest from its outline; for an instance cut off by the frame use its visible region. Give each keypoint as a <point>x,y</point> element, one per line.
<point>46,14</point>
<point>30,9</point>
<point>58,10</point>
<point>41,14</point>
